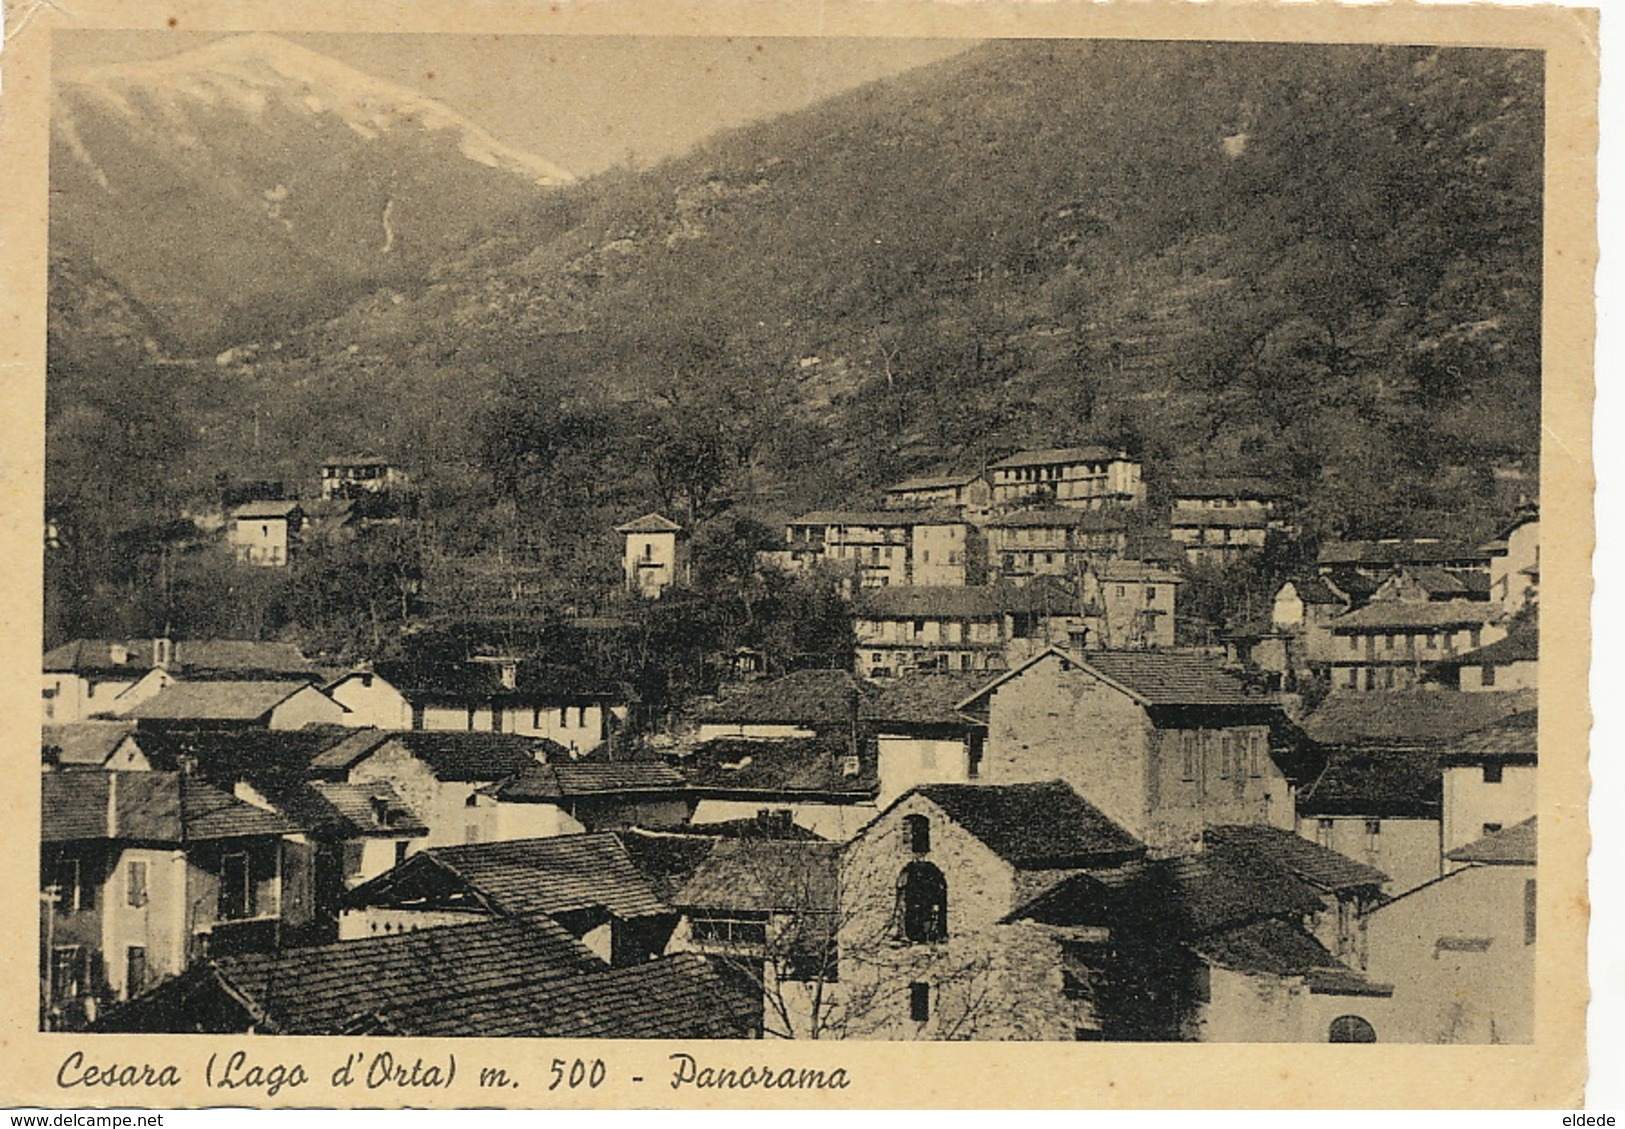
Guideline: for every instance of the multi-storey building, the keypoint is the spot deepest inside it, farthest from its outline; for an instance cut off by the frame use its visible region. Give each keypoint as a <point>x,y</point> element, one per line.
<point>889,548</point>
<point>1075,477</point>
<point>1052,541</point>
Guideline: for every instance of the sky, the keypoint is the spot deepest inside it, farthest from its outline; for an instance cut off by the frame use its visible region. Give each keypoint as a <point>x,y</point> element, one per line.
<point>584,102</point>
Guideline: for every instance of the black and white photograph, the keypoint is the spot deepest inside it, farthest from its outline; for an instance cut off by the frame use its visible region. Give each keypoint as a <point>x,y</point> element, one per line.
<point>793,538</point>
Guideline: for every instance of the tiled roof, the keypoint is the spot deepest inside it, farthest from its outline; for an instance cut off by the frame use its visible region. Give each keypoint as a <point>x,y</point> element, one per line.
<point>1188,516</point>
<point>808,766</point>
<point>354,460</point>
<point>188,656</point>
<point>1396,552</point>
<point>1137,572</point>
<point>1277,948</point>
<point>1411,614</point>
<point>84,742</point>
<point>476,681</point>
<point>1439,582</point>
<point>766,875</point>
<point>545,782</point>
<point>665,858</point>
<point>816,699</point>
<point>1034,826</point>
<point>1315,590</point>
<point>1514,845</point>
<point>1250,488</point>
<point>1375,782</point>
<point>159,807</point>
<point>921,698</point>
<point>256,510</point>
<point>934,481</point>
<point>217,701</point>
<point>262,754</point>
<point>348,750</point>
<point>1322,868</point>
<point>1059,517</point>
<point>1185,896</point>
<point>332,810</point>
<point>1047,456</point>
<point>1409,718</point>
<point>679,996</point>
<point>650,523</point>
<point>1522,644</point>
<point>889,519</point>
<point>474,756</point>
<point>1515,737</point>
<point>981,602</point>
<point>1164,679</point>
<point>519,877</point>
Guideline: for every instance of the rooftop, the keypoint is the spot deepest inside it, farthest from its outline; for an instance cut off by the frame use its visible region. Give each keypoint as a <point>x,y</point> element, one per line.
<point>256,511</point>
<point>890,519</point>
<point>1251,488</point>
<point>472,756</point>
<point>1050,456</point>
<point>1514,845</point>
<point>1522,644</point>
<point>783,767</point>
<point>547,782</point>
<point>87,743</point>
<point>1135,572</point>
<point>1398,551</point>
<point>477,679</point>
<point>158,807</point>
<point>1514,737</point>
<point>1152,678</point>
<point>1380,615</point>
<point>331,810</point>
<point>934,481</point>
<point>1035,826</point>
<point>650,523</point>
<point>920,698</point>
<point>1322,868</point>
<point>520,877</point>
<point>815,699</point>
<point>1187,516</point>
<point>1410,718</point>
<point>1375,783</point>
<point>765,875</point>
<point>1059,517</point>
<point>977,602</point>
<point>1316,590</point>
<point>237,700</point>
<point>187,656</point>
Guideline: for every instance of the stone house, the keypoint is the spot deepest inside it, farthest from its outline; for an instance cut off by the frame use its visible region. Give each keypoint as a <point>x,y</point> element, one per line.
<point>959,629</point>
<point>501,694</point>
<point>143,873</point>
<point>654,555</point>
<point>264,534</point>
<point>1391,644</point>
<point>1490,779</point>
<point>1074,477</point>
<point>350,476</point>
<point>1164,744</point>
<point>925,949</point>
<point>888,548</point>
<point>1053,541</point>
<point>1512,663</point>
<point>1460,951</point>
<point>967,490</point>
<point>86,677</point>
<point>921,735</point>
<point>1128,605</point>
<point>237,704</point>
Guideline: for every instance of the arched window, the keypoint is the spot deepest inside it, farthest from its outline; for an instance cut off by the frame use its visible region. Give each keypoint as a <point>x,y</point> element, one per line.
<point>1351,1029</point>
<point>922,903</point>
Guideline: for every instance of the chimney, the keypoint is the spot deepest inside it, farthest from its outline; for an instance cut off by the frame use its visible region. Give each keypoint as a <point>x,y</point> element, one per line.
<point>118,653</point>
<point>163,651</point>
<point>510,674</point>
<point>112,805</point>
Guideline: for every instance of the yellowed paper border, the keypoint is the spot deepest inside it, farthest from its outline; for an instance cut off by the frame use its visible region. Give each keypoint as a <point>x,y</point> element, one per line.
<point>1546,1074</point>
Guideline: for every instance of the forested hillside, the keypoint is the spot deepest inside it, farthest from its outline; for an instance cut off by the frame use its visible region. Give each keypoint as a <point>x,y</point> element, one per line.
<point>1316,264</point>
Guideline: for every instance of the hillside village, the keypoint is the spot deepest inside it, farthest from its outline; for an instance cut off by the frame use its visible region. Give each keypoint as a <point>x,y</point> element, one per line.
<point>1025,795</point>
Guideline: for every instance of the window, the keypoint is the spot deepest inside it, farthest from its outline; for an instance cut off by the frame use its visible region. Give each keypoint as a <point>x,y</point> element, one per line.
<point>1255,754</point>
<point>1487,675</point>
<point>135,969</point>
<point>135,885</point>
<point>1491,828</point>
<point>1387,642</point>
<point>1323,832</point>
<point>1351,1029</point>
<point>922,893</point>
<point>1529,905</point>
<point>1492,773</point>
<point>75,891</point>
<point>236,887</point>
<point>919,1002</point>
<point>69,972</point>
<point>1121,591</point>
<point>918,830</point>
<point>1187,756</point>
<point>1373,828</point>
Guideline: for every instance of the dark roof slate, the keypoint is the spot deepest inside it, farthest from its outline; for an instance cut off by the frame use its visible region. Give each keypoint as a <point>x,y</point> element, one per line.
<point>1375,782</point>
<point>1322,868</point>
<point>162,807</point>
<point>1047,456</point>
<point>546,782</point>
<point>650,523</point>
<point>1164,679</point>
<point>1034,826</point>
<point>815,699</point>
<point>1514,845</point>
<point>474,756</point>
<point>233,700</point>
<point>765,875</point>
<point>783,766</point>
<point>977,602</point>
<point>1515,737</point>
<point>921,698</point>
<point>1409,718</point>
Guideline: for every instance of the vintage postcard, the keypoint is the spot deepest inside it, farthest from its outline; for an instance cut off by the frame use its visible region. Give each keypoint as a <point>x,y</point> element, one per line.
<point>751,554</point>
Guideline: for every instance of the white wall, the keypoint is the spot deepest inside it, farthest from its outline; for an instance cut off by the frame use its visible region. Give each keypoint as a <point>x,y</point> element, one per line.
<point>1470,803</point>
